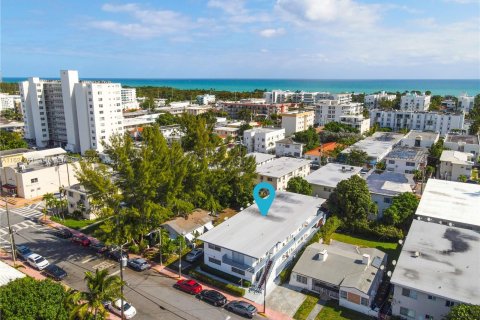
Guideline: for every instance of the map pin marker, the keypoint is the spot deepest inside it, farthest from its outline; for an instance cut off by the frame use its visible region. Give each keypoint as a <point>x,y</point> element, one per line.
<point>264,204</point>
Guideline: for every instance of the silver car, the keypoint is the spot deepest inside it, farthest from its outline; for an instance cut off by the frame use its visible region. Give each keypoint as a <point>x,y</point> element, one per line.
<point>242,308</point>
<point>194,255</point>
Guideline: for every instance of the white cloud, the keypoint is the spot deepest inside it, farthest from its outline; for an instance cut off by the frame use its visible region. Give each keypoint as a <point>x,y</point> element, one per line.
<point>232,7</point>
<point>269,33</point>
<point>147,24</point>
<point>343,12</point>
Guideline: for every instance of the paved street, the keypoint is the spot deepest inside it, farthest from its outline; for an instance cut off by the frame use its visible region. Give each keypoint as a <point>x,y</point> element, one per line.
<point>151,293</point>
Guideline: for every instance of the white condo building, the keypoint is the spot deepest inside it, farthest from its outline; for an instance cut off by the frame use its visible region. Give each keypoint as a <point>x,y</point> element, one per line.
<point>415,102</point>
<point>262,139</point>
<point>69,113</point>
<point>372,101</point>
<point>332,110</point>
<point>297,121</point>
<point>356,121</point>
<point>465,102</point>
<point>129,98</point>
<point>205,99</point>
<point>8,101</point>
<point>454,164</point>
<point>418,120</point>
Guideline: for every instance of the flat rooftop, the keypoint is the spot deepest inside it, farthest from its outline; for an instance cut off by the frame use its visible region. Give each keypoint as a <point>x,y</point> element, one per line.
<point>462,138</point>
<point>424,135</point>
<point>408,153</point>
<point>13,151</point>
<point>252,234</point>
<point>456,157</point>
<point>377,144</point>
<point>447,263</point>
<point>266,130</point>
<point>343,266</point>
<point>281,167</point>
<point>261,157</point>
<point>390,183</point>
<point>331,174</point>
<point>288,141</point>
<point>451,201</point>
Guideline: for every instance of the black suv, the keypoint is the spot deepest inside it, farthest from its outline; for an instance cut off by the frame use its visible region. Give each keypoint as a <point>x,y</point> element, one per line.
<point>62,233</point>
<point>115,254</point>
<point>214,297</point>
<point>55,272</point>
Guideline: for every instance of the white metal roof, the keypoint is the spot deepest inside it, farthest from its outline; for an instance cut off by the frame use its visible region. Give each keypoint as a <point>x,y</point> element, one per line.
<point>8,273</point>
<point>456,157</point>
<point>451,201</point>
<point>281,166</point>
<point>261,157</point>
<point>331,174</point>
<point>252,234</point>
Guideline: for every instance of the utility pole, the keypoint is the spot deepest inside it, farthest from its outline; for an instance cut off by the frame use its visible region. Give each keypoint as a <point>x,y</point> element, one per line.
<point>160,243</point>
<point>10,231</point>
<point>123,263</point>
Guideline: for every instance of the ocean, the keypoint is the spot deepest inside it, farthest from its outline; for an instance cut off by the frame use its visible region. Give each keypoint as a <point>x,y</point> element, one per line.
<point>440,87</point>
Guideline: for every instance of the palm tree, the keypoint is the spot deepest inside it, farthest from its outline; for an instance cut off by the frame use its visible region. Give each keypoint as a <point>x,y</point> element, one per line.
<point>100,288</point>
<point>49,199</point>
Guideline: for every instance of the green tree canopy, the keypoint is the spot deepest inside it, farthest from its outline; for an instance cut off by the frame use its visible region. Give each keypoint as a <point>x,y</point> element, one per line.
<point>30,299</point>
<point>299,185</point>
<point>339,127</point>
<point>356,157</point>
<point>402,210</point>
<point>11,140</point>
<point>11,114</point>
<point>166,119</point>
<point>308,137</point>
<point>463,312</point>
<point>351,202</point>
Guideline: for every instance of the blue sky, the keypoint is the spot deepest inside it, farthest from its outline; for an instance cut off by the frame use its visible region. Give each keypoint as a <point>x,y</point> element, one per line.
<point>319,39</point>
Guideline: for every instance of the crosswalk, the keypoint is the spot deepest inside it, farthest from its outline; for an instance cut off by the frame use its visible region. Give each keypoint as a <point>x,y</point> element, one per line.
<point>27,212</point>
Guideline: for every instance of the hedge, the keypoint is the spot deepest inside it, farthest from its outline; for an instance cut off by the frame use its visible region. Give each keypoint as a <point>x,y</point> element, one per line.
<point>227,287</point>
<point>224,275</point>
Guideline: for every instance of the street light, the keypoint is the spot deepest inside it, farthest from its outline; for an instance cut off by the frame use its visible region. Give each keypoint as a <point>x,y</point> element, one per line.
<point>160,244</point>
<point>123,264</point>
<point>180,258</point>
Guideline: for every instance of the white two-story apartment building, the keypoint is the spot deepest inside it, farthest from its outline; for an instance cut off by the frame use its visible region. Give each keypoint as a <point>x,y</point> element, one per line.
<point>262,139</point>
<point>420,139</point>
<point>406,159</point>
<point>257,248</point>
<point>454,164</point>
<point>463,143</point>
<point>279,171</point>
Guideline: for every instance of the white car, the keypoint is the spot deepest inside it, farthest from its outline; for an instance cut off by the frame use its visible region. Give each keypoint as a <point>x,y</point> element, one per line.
<point>129,311</point>
<point>37,261</point>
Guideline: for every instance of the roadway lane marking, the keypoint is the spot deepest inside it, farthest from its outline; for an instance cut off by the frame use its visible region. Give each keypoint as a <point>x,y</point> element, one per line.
<point>89,259</point>
<point>3,232</point>
<point>103,265</point>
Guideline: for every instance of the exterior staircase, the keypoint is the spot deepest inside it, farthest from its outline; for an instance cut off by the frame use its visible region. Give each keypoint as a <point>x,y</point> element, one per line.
<point>258,287</point>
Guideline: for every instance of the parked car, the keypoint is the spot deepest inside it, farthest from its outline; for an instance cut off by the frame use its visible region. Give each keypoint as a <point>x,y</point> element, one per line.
<point>98,247</point>
<point>139,264</point>
<point>189,286</point>
<point>23,251</point>
<point>62,233</point>
<point>242,308</point>
<point>37,261</point>
<point>82,240</point>
<point>214,297</point>
<point>194,255</point>
<point>114,254</point>
<point>129,311</point>
<point>55,272</point>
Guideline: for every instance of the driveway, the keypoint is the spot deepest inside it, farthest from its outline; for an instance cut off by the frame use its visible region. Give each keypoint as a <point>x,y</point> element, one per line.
<point>285,299</point>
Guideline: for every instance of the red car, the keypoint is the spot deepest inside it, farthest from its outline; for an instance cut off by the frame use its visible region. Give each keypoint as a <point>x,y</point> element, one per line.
<point>84,241</point>
<point>189,286</point>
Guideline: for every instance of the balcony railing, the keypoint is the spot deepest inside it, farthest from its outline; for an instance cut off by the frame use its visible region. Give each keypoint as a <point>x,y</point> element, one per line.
<point>231,262</point>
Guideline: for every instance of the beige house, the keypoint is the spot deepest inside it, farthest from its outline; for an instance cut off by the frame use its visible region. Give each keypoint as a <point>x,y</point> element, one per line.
<point>454,164</point>
<point>195,224</point>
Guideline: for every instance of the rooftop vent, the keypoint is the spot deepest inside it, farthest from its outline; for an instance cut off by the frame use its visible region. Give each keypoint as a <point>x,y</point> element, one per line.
<point>366,259</point>
<point>343,168</point>
<point>416,254</point>
<point>322,255</point>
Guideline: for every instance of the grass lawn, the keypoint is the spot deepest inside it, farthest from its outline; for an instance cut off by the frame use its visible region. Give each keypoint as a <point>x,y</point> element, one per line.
<point>332,311</point>
<point>305,308</point>
<point>73,223</point>
<point>390,248</point>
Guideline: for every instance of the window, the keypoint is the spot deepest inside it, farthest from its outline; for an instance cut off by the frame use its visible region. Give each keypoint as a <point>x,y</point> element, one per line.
<point>364,301</point>
<point>410,164</point>
<point>70,193</point>
<point>82,197</point>
<point>343,294</point>
<point>407,312</point>
<point>433,298</point>
<point>239,271</point>
<point>387,200</point>
<point>34,180</point>
<point>427,316</point>
<point>391,161</point>
<point>216,261</point>
<point>269,179</point>
<point>449,303</point>
<point>301,279</point>
<point>409,293</point>
<point>214,247</point>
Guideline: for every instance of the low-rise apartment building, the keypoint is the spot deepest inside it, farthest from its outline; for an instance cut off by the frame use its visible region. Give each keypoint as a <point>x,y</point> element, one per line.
<point>406,159</point>
<point>9,102</point>
<point>466,102</point>
<point>224,132</point>
<point>372,101</point>
<point>397,120</point>
<point>262,139</point>
<point>414,102</point>
<point>288,148</point>
<point>377,146</point>
<point>454,164</point>
<point>437,269</point>
<point>463,143</point>
<point>129,98</point>
<point>344,272</point>
<point>331,110</point>
<point>297,121</point>
<point>385,186</point>
<point>325,179</point>
<point>356,121</point>
<point>257,248</point>
<point>420,139</point>
<point>450,203</point>
<point>279,171</point>
<point>77,198</point>
<point>198,109</point>
<point>236,109</point>
<point>205,99</point>
<point>261,158</point>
